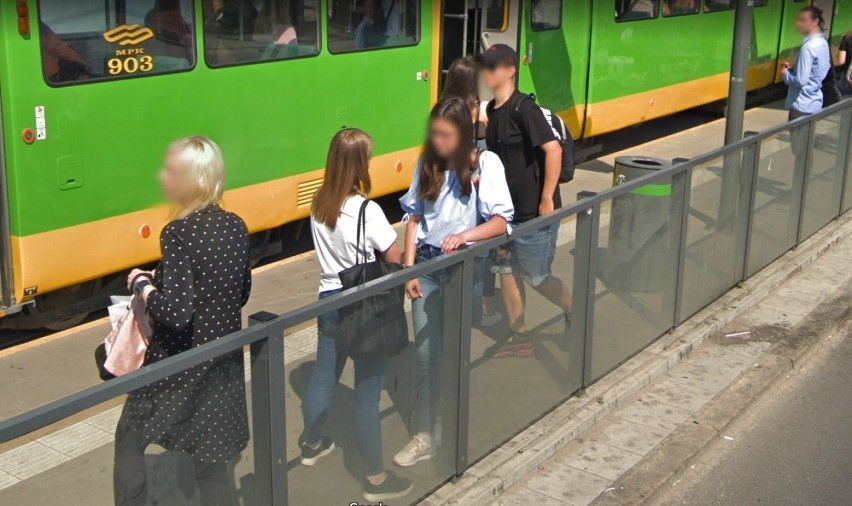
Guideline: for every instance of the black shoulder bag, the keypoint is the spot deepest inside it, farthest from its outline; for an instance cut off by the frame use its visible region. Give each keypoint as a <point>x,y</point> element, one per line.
<point>831,93</point>
<point>375,327</point>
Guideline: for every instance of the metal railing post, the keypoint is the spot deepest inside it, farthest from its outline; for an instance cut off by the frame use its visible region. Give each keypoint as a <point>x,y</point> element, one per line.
<point>585,278</point>
<point>843,159</point>
<point>465,324</point>
<point>751,169</point>
<point>802,182</point>
<point>268,415</point>
<point>681,191</point>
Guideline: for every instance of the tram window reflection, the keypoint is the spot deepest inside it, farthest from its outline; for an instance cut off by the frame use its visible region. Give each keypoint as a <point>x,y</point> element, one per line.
<point>546,15</point>
<point>630,10</point>
<point>91,40</point>
<point>681,7</point>
<point>372,24</point>
<point>495,15</point>
<point>718,5</point>
<point>248,31</point>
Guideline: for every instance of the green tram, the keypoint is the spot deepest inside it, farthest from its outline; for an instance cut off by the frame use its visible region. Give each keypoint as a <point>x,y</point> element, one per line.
<point>92,91</point>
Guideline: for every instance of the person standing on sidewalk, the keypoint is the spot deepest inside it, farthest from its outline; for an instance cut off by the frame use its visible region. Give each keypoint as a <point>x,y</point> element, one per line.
<point>334,224</point>
<point>520,135</point>
<point>804,96</point>
<point>458,196</point>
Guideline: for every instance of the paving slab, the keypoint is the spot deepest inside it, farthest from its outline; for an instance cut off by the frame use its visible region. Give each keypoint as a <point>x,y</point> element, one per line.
<point>601,459</point>
<point>566,483</point>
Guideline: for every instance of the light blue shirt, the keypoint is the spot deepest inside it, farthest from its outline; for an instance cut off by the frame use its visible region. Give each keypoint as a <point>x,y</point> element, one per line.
<point>805,79</point>
<point>392,16</point>
<point>452,212</point>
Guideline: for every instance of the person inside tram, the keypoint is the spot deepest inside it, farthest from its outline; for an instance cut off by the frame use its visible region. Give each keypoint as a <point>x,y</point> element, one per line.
<point>274,25</point>
<point>679,7</point>
<point>462,81</point>
<point>61,62</point>
<point>194,297</point>
<point>337,238</point>
<point>393,17</point>
<point>171,30</point>
<point>641,9</point>
<point>458,195</point>
<point>372,31</point>
<point>228,28</point>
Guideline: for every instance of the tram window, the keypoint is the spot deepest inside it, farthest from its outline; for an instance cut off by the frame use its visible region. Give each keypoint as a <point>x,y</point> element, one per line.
<point>372,24</point>
<point>630,10</point>
<point>495,15</point>
<point>91,40</point>
<point>250,31</point>
<point>718,5</point>
<point>546,15</point>
<point>681,7</point>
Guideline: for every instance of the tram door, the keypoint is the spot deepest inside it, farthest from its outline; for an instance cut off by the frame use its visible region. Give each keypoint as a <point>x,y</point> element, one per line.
<point>471,26</point>
<point>827,7</point>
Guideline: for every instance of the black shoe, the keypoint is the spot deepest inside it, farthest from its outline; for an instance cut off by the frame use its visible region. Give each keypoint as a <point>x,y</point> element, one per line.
<point>311,456</point>
<point>393,487</point>
<point>568,334</point>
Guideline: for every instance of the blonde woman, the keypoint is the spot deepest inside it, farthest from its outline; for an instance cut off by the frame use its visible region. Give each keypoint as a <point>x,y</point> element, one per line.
<point>194,296</point>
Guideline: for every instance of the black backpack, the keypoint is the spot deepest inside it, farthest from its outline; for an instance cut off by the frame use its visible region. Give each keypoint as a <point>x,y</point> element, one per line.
<point>560,131</point>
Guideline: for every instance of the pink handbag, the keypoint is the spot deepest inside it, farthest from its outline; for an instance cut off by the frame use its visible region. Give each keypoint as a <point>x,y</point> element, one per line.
<point>125,347</point>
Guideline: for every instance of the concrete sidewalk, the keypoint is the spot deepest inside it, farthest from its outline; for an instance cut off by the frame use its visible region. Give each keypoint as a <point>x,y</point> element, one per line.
<point>640,425</point>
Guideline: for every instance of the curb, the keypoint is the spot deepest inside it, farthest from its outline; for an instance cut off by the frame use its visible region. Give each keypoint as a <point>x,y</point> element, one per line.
<point>676,453</point>
<point>483,482</point>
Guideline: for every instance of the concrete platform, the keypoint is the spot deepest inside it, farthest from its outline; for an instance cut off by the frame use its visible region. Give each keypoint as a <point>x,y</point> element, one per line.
<point>71,461</point>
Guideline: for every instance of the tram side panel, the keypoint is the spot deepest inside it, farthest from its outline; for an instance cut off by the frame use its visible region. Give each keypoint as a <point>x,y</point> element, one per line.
<point>84,197</point>
<point>646,66</point>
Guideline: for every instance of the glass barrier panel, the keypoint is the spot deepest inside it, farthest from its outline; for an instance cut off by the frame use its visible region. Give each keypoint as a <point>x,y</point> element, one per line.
<point>847,190</point>
<point>348,420</point>
<point>824,186</point>
<point>716,228</point>
<point>526,348</point>
<point>151,446</point>
<point>777,198</point>
<point>637,266</point>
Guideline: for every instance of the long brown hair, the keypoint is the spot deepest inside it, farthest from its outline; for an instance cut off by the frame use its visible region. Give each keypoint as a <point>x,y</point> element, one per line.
<point>433,166</point>
<point>346,174</point>
<point>463,81</point>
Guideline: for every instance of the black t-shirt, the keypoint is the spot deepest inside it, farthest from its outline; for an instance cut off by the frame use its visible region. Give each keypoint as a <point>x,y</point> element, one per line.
<point>846,45</point>
<point>516,137</point>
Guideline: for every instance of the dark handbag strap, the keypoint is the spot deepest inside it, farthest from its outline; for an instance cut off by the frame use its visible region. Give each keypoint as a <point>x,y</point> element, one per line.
<point>362,232</point>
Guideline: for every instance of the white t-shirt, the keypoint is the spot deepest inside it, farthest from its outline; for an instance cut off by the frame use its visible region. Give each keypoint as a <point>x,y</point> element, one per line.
<point>336,249</point>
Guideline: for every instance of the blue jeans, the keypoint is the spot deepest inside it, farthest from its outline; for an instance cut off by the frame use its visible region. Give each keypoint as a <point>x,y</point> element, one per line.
<point>369,380</point>
<point>530,256</point>
<point>427,314</point>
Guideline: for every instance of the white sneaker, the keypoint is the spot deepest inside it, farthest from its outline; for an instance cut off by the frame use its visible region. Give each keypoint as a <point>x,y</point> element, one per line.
<point>419,448</point>
<point>489,320</point>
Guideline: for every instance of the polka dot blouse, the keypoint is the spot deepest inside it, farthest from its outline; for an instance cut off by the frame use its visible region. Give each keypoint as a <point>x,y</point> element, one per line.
<point>202,284</point>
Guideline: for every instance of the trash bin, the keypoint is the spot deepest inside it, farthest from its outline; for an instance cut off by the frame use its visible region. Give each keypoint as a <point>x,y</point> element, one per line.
<point>637,255</point>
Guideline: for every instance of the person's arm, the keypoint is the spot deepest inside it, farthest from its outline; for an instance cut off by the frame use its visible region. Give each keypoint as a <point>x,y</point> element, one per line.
<point>172,305</point>
<point>552,169</point>
<point>392,255</point>
<point>841,58</point>
<point>247,281</point>
<point>495,226</point>
<point>799,75</point>
<point>412,288</point>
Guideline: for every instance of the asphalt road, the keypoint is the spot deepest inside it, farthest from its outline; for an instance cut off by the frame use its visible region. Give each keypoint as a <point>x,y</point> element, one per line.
<point>793,448</point>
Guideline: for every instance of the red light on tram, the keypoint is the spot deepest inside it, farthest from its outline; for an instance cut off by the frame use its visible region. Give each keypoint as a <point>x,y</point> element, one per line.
<point>145,231</point>
<point>398,166</point>
<point>23,17</point>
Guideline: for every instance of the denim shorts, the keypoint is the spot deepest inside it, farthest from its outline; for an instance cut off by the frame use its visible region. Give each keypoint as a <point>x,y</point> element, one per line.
<point>530,256</point>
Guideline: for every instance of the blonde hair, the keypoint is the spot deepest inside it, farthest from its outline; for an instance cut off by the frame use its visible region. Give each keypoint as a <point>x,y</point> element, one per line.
<point>205,169</point>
